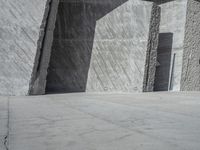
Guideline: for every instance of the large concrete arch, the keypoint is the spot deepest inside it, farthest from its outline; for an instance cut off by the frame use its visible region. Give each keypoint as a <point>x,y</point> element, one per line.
<point>113,58</point>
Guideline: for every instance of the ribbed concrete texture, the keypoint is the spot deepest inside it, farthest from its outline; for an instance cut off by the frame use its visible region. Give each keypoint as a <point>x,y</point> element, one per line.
<point>101,45</point>
<point>191,56</point>
<point>172,25</point>
<point>20,22</point>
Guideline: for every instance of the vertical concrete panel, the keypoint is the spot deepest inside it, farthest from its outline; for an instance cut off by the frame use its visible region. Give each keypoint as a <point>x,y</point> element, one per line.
<point>20,22</point>
<point>191,57</point>
<point>119,49</point>
<point>173,19</point>
<point>39,74</point>
<point>152,48</point>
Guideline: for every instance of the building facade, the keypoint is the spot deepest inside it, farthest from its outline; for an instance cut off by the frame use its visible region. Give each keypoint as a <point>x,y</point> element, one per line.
<point>62,46</point>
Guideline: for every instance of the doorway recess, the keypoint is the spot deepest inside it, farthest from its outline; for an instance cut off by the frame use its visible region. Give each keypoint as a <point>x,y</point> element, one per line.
<point>164,53</point>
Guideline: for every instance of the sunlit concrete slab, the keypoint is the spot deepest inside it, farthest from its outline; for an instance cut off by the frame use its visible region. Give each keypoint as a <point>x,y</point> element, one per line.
<point>104,122</point>
<point>21,31</point>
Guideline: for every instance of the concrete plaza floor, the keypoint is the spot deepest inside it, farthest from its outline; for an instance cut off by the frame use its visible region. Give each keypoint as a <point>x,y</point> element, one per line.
<point>146,121</point>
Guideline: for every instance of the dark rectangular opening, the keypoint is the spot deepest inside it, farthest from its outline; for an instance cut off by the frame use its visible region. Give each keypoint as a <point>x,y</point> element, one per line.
<point>164,52</point>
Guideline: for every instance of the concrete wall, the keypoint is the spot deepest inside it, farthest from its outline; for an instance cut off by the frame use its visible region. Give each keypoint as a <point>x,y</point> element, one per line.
<point>120,48</point>
<point>173,19</point>
<point>104,51</point>
<point>101,46</point>
<point>191,56</point>
<point>40,69</point>
<point>72,46</point>
<point>151,54</point>
<point>20,22</point>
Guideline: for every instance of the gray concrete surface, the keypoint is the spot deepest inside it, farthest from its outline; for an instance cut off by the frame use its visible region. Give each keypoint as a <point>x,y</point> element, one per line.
<point>173,20</point>
<point>20,23</point>
<point>98,45</point>
<point>152,48</point>
<point>42,58</point>
<point>3,122</point>
<point>120,47</point>
<point>101,46</point>
<point>191,56</point>
<point>150,121</point>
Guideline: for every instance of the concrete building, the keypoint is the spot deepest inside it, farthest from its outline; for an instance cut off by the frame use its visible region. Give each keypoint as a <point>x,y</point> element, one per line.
<point>53,46</point>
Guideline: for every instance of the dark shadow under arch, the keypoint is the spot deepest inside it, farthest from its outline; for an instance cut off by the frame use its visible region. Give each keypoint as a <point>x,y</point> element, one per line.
<point>73,42</point>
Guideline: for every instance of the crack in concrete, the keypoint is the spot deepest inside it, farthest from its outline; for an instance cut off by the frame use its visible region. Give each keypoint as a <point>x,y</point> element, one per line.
<point>6,138</point>
<point>6,142</point>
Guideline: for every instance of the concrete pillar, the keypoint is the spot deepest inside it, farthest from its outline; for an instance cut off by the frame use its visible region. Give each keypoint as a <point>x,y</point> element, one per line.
<point>39,74</point>
<point>173,20</point>
<point>21,26</point>
<point>191,56</point>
